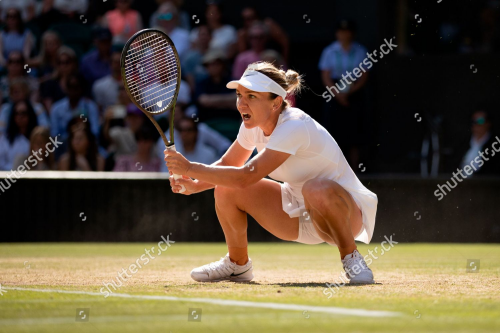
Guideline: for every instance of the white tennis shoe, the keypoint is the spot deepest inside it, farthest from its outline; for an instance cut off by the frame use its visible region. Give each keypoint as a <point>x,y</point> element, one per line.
<point>224,269</point>
<point>357,271</point>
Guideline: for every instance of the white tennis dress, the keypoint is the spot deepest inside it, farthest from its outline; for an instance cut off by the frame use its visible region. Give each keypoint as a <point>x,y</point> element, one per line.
<point>314,153</point>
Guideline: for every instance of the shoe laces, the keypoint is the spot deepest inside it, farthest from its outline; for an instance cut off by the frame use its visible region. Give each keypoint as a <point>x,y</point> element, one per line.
<point>218,266</point>
<point>355,259</point>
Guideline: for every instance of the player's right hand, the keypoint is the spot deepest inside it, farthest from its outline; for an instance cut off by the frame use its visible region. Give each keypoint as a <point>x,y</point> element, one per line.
<point>188,183</point>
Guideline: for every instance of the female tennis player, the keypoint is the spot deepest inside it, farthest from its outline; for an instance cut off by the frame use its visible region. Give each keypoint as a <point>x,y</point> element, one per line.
<point>320,199</point>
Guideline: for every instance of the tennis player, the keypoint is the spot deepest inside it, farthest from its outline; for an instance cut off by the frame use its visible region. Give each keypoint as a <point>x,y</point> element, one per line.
<point>320,199</point>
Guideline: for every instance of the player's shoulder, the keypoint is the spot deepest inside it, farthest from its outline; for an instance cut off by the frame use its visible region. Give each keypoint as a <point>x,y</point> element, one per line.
<point>294,116</point>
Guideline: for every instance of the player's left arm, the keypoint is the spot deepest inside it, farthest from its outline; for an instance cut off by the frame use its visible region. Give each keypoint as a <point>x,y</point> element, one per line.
<point>228,176</point>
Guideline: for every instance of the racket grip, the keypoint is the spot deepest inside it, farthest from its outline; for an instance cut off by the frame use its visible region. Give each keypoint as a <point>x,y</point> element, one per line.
<point>183,189</point>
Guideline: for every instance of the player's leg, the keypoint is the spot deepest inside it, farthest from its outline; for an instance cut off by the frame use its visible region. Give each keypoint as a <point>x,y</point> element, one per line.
<point>261,200</point>
<point>337,219</point>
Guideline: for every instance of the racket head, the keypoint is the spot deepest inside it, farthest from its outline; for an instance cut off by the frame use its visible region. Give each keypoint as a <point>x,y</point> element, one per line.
<point>151,71</point>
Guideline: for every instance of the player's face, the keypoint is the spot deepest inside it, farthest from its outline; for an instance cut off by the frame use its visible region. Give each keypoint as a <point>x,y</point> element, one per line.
<point>255,107</point>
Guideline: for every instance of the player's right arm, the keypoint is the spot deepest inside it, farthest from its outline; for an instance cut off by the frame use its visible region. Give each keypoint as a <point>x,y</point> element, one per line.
<point>236,156</point>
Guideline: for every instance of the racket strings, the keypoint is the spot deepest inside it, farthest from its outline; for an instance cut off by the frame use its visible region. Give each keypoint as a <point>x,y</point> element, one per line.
<point>146,77</point>
<point>153,84</point>
<point>151,71</point>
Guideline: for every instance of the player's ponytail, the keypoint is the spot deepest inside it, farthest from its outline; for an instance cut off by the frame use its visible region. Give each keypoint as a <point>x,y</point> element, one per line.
<point>290,80</point>
<point>293,81</point>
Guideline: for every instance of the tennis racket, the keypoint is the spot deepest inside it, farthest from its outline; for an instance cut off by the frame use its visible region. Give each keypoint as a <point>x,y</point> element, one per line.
<point>151,74</point>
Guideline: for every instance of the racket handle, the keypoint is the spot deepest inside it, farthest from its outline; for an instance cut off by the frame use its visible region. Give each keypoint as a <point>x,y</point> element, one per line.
<point>183,189</point>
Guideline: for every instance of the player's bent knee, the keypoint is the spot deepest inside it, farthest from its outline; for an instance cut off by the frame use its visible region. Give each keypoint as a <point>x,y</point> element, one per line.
<point>224,193</point>
<point>323,193</point>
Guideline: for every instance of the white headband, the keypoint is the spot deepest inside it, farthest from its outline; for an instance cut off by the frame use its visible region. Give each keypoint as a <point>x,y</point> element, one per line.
<point>257,81</point>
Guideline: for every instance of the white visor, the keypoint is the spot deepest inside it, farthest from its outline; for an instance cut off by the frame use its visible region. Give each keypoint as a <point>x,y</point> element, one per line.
<point>257,81</point>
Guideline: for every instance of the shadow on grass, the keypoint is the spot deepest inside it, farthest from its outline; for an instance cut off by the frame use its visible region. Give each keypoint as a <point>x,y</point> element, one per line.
<point>284,285</point>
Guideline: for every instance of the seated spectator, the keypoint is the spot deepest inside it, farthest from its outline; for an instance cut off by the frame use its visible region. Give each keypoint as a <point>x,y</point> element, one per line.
<point>167,21</point>
<point>71,7</point>
<point>224,36</point>
<point>122,138</point>
<point>257,35</point>
<point>482,140</point>
<point>46,61</point>
<point>216,105</point>
<point>15,71</point>
<point>123,21</point>
<point>191,148</point>
<point>97,63</point>
<point>206,135</point>
<point>74,106</point>
<point>82,152</point>
<point>54,89</point>
<point>20,91</point>
<point>15,37</point>
<point>16,141</point>
<point>26,7</point>
<point>192,66</point>
<point>277,35</point>
<point>40,138</point>
<point>144,159</point>
<point>105,90</point>
<point>184,21</point>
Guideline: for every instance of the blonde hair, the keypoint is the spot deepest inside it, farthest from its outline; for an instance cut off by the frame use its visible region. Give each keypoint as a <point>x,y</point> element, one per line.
<point>290,80</point>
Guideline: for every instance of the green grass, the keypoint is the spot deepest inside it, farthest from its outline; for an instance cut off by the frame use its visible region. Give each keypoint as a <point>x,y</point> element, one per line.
<point>426,283</point>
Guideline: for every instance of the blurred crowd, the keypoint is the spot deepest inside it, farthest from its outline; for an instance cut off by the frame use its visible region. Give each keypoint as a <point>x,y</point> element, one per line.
<point>60,76</point>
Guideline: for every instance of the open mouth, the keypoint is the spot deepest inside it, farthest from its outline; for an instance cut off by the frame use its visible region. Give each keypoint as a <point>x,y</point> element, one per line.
<point>246,116</point>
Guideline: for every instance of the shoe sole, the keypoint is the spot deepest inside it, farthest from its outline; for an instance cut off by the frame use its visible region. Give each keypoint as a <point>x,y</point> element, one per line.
<point>235,279</point>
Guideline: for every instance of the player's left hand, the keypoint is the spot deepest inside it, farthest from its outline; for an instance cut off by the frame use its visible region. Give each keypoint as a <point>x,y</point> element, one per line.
<point>176,163</point>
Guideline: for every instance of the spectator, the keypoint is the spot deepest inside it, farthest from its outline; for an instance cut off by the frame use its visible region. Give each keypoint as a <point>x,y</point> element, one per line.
<point>348,106</point>
<point>54,89</point>
<point>20,91</point>
<point>26,7</point>
<point>277,35</point>
<point>15,71</point>
<point>123,21</point>
<point>257,34</point>
<point>144,159</point>
<point>216,104</point>
<point>83,152</point>
<point>184,20</point>
<point>15,37</point>
<point>105,90</point>
<point>71,7</point>
<point>122,138</point>
<point>192,67</point>
<point>482,138</point>
<point>192,148</point>
<point>97,63</point>
<point>206,135</point>
<point>74,106</point>
<point>167,21</point>
<point>224,36</point>
<point>40,137</point>
<point>46,61</point>
<point>16,141</point>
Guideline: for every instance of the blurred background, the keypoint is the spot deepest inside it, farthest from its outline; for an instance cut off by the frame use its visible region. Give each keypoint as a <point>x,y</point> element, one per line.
<point>422,110</point>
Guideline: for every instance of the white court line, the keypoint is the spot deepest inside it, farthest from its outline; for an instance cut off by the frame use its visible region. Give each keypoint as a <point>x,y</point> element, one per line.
<point>227,302</point>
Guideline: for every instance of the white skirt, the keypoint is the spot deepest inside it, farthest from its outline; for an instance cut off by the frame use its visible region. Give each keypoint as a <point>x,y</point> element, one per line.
<point>293,205</point>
